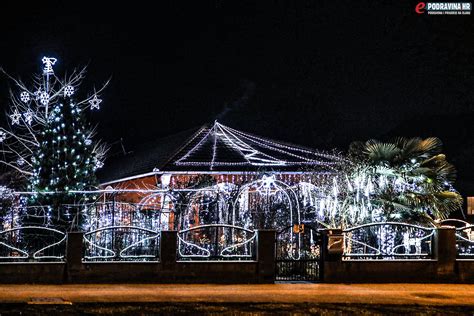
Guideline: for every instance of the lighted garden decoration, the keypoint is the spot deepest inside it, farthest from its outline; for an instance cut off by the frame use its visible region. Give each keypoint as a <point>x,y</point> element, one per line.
<point>386,196</point>
<point>404,180</point>
<point>50,143</point>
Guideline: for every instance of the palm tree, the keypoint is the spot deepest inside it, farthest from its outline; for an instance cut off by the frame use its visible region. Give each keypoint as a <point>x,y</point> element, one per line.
<point>412,179</point>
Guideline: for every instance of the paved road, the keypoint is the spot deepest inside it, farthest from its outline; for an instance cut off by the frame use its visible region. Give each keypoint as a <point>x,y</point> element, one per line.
<point>431,294</point>
<point>291,298</point>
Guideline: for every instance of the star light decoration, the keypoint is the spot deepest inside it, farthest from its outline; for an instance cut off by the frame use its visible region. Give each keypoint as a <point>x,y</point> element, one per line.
<point>68,91</point>
<point>25,97</point>
<point>15,117</point>
<point>95,102</point>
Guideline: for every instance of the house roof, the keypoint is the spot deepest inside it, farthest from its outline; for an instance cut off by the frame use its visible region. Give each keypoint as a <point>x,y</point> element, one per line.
<point>144,159</point>
<point>217,148</point>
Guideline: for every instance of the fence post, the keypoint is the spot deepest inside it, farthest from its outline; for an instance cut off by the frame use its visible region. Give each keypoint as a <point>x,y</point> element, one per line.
<point>74,253</point>
<point>168,249</point>
<point>333,245</point>
<point>445,252</point>
<point>266,255</point>
<point>331,255</point>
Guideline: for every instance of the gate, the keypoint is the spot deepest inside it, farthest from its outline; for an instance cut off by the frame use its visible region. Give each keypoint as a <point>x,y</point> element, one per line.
<point>298,254</point>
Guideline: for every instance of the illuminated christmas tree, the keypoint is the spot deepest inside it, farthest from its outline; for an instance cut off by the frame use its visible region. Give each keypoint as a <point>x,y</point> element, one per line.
<point>50,143</point>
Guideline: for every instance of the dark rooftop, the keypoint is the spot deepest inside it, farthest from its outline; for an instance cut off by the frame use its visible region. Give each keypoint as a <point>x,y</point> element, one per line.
<point>216,148</point>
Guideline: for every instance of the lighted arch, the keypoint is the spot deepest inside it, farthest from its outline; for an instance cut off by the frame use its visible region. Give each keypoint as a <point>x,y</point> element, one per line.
<point>268,197</point>
<point>163,206</point>
<point>271,194</point>
<point>207,206</point>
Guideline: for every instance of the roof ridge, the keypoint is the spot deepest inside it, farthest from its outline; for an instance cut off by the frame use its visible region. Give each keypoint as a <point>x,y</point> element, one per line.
<point>186,143</point>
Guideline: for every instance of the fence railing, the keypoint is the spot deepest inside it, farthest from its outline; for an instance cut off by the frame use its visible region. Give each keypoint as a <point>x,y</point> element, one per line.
<point>32,243</point>
<point>104,214</point>
<point>465,242</point>
<point>217,242</point>
<point>121,243</point>
<point>388,240</point>
<point>458,223</point>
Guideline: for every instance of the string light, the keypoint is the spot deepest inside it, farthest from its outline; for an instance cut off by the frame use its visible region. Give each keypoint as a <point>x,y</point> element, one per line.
<point>59,133</point>
<point>253,151</point>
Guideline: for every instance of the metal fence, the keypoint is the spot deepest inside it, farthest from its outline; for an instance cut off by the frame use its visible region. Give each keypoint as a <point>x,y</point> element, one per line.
<point>465,242</point>
<point>32,243</point>
<point>388,240</point>
<point>121,243</point>
<point>217,242</point>
<point>298,254</point>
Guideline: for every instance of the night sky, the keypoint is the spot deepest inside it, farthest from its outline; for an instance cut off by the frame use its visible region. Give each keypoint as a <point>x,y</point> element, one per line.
<point>316,73</point>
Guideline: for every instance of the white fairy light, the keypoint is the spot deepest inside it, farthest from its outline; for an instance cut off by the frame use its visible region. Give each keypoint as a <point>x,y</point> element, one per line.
<point>20,161</point>
<point>254,151</point>
<point>3,136</point>
<point>68,91</point>
<point>48,64</point>
<point>25,97</point>
<point>15,117</point>
<point>88,142</point>
<point>95,102</point>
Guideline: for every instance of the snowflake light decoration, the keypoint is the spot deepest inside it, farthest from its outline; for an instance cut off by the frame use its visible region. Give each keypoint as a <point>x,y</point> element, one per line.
<point>25,97</point>
<point>15,117</point>
<point>3,136</point>
<point>95,102</point>
<point>28,116</point>
<point>68,91</point>
<point>37,94</point>
<point>99,164</point>
<point>44,98</point>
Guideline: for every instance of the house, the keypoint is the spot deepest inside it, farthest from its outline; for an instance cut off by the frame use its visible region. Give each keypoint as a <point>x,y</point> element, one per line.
<point>226,154</point>
<point>218,174</point>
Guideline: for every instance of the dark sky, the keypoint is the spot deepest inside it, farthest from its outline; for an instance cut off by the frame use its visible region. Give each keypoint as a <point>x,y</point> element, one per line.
<point>318,73</point>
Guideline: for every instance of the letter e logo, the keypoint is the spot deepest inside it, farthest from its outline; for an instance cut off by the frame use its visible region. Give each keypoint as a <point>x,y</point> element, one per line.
<point>420,8</point>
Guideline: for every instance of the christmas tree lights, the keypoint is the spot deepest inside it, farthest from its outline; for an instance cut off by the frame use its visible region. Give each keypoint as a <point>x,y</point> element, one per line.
<point>50,142</point>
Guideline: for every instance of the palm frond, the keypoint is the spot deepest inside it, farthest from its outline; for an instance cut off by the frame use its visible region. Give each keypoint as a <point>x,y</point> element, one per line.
<point>378,152</point>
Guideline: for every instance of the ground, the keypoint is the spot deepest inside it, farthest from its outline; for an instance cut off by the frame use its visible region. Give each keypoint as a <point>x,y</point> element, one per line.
<point>295,299</point>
